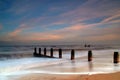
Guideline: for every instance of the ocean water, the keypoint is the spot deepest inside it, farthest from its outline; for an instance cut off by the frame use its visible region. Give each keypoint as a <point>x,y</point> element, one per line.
<point>18,60</point>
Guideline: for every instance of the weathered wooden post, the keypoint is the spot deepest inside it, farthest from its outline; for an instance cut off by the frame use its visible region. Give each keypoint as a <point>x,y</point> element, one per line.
<point>39,51</point>
<point>60,53</point>
<point>90,55</point>
<point>116,57</point>
<point>35,51</point>
<point>44,51</point>
<point>72,54</point>
<point>51,52</point>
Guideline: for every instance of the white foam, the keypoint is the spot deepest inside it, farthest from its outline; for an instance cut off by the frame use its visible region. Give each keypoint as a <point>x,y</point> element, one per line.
<point>102,63</point>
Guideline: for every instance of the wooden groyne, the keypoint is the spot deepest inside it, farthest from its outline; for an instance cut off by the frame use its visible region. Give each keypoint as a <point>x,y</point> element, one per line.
<point>90,55</point>
<point>60,53</point>
<point>72,54</point>
<point>45,52</point>
<point>72,57</point>
<point>116,57</point>
<point>51,52</point>
<point>39,51</point>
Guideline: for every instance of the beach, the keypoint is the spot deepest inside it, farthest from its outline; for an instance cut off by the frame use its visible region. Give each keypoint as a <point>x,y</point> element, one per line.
<point>53,72</point>
<point>59,39</point>
<point>110,76</point>
<point>39,68</point>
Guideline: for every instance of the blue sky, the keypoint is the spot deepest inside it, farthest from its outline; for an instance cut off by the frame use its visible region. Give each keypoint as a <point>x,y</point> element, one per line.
<point>60,21</point>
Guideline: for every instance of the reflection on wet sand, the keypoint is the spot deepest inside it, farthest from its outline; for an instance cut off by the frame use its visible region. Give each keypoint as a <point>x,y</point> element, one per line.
<point>90,65</point>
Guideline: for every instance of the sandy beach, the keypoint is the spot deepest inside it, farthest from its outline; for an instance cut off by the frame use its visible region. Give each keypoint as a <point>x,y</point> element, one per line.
<point>110,76</point>
<point>100,68</point>
<point>59,39</point>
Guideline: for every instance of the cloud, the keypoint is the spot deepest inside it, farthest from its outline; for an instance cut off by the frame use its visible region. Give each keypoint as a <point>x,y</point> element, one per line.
<point>113,18</point>
<point>17,34</point>
<point>17,31</point>
<point>77,32</point>
<point>70,16</point>
<point>92,9</point>
<point>40,26</point>
<point>31,37</point>
<point>90,33</point>
<point>42,37</point>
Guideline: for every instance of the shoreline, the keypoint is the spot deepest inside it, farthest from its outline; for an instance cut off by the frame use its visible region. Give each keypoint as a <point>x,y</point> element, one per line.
<point>81,69</point>
<point>45,76</point>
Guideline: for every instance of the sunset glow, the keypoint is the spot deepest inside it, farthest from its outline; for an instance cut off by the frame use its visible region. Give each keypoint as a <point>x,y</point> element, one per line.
<point>60,21</point>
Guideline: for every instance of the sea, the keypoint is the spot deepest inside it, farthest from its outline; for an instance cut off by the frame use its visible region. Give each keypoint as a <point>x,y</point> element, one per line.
<point>18,60</point>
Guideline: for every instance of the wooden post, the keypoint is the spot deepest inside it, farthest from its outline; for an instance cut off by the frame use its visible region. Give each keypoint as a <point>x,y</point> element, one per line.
<point>90,55</point>
<point>51,52</point>
<point>39,51</point>
<point>72,54</point>
<point>116,57</point>
<point>35,51</point>
<point>44,51</point>
<point>60,53</point>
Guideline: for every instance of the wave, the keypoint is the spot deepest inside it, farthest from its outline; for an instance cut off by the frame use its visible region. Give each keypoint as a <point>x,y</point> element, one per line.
<point>20,60</point>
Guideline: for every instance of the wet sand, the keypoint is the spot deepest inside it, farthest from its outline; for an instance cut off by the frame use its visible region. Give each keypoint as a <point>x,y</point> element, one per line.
<point>110,76</point>
<point>66,69</point>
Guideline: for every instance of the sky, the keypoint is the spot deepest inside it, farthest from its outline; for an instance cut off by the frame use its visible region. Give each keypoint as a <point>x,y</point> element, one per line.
<point>60,21</point>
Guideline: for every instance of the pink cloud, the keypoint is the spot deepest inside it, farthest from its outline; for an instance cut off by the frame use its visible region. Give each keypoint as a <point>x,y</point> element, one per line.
<point>78,32</point>
<point>112,18</point>
<point>75,27</point>
<point>78,15</point>
<point>42,37</point>
<point>17,31</point>
<point>88,11</point>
